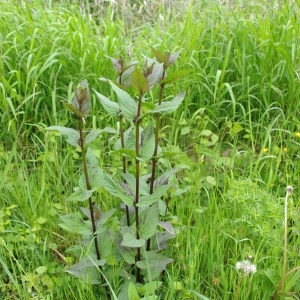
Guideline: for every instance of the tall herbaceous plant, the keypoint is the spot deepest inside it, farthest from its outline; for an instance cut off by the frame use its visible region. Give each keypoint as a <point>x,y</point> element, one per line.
<point>126,243</point>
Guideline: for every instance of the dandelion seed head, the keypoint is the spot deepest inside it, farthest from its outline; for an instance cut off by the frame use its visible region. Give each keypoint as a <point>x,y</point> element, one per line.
<point>246,266</point>
<point>289,189</point>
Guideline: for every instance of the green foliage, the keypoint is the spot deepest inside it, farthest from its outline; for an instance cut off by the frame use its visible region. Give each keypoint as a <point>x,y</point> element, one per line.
<point>225,154</point>
<point>142,229</point>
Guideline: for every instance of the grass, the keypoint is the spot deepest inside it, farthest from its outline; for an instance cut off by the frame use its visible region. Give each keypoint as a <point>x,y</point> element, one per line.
<point>243,88</point>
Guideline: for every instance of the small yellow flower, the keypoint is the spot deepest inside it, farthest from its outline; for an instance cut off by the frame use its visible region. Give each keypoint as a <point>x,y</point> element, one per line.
<point>285,149</point>
<point>266,150</point>
<point>298,134</point>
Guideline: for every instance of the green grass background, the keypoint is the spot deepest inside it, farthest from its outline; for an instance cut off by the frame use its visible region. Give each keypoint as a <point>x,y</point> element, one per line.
<point>238,132</point>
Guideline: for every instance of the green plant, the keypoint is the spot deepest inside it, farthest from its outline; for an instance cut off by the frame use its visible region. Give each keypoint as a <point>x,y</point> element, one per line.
<point>136,243</point>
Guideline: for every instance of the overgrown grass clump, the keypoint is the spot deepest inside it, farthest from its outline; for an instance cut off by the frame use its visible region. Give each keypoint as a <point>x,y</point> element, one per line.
<point>236,135</point>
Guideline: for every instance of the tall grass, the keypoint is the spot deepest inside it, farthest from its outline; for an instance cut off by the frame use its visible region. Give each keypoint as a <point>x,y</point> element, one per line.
<point>243,87</point>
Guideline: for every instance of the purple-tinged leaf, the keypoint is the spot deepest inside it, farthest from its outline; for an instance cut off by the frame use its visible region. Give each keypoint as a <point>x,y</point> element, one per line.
<point>167,226</point>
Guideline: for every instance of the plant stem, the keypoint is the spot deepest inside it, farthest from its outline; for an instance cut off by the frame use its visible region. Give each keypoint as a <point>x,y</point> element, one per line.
<point>88,186</point>
<point>124,164</point>
<point>91,206</point>
<point>137,185</point>
<point>123,157</point>
<point>154,157</point>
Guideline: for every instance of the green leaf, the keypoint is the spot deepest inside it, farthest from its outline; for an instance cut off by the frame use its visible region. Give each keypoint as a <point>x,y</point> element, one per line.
<point>236,128</point>
<point>139,81</point>
<point>74,223</point>
<point>94,172</point>
<point>169,106</point>
<point>149,226</point>
<point>80,194</point>
<point>73,109</point>
<point>208,138</point>
<point>273,275</point>
<point>104,217</point>
<point>87,269</point>
<point>164,178</point>
<point>132,292</point>
<point>174,76</point>
<point>130,179</point>
<point>161,58</point>
<point>111,107</point>
<point>128,254</point>
<point>130,240</point>
<point>129,140</point>
<point>185,130</point>
<point>71,134</point>
<point>154,263</point>
<point>155,197</point>
<point>116,190</point>
<point>199,296</point>
<point>41,220</point>
<point>127,105</point>
<point>147,143</point>
<point>41,270</point>
<point>150,288</point>
<point>92,135</point>
<point>211,180</point>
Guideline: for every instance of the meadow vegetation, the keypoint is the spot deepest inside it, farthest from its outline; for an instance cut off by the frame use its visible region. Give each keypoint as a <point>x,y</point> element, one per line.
<point>234,142</point>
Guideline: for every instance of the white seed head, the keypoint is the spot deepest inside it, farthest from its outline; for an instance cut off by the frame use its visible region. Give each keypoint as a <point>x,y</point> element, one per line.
<point>289,189</point>
<point>246,266</point>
